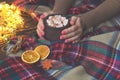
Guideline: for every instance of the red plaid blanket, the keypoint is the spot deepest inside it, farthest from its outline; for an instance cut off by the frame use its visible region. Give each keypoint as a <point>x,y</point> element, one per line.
<point>15,69</point>
<point>100,59</point>
<point>98,52</point>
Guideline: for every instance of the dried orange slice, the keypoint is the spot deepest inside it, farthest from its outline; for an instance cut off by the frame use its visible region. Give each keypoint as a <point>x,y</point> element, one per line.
<point>43,50</point>
<point>30,56</point>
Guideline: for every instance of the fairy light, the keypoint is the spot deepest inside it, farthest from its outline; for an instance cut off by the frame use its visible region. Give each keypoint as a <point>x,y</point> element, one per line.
<point>10,20</point>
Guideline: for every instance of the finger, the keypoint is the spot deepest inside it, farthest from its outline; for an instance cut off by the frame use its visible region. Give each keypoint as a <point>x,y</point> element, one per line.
<point>78,22</point>
<point>44,15</point>
<point>40,31</point>
<point>76,41</point>
<point>40,22</point>
<point>72,39</point>
<point>69,29</point>
<point>73,20</point>
<point>40,25</point>
<point>40,28</point>
<point>39,35</point>
<point>79,26</point>
<point>72,34</point>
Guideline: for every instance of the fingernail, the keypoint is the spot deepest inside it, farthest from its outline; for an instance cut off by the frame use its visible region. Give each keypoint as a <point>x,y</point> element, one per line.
<point>63,32</point>
<point>72,22</point>
<point>66,41</point>
<point>42,33</point>
<point>61,37</point>
<point>42,16</point>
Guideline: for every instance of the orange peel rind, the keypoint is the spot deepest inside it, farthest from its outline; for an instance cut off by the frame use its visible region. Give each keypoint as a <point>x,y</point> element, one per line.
<point>30,57</point>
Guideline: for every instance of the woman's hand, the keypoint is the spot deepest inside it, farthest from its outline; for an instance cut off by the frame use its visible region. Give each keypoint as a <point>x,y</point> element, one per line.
<point>73,33</point>
<point>40,25</point>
